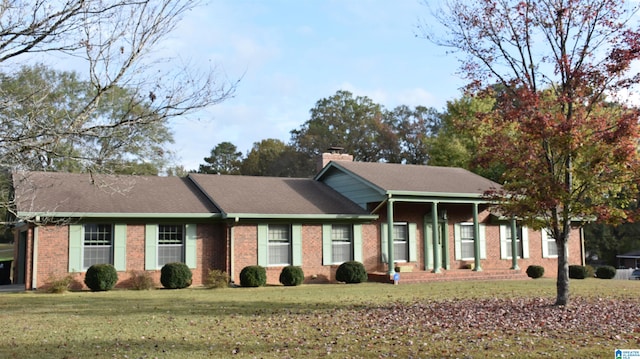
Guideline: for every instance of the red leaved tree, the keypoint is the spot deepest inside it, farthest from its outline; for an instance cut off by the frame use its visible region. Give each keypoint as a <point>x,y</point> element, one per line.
<point>561,127</point>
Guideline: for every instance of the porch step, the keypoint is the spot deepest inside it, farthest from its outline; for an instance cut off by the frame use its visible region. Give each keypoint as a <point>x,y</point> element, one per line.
<point>449,275</point>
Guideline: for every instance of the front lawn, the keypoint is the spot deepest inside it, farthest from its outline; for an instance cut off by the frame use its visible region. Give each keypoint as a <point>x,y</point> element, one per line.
<point>473,319</point>
<point>6,252</point>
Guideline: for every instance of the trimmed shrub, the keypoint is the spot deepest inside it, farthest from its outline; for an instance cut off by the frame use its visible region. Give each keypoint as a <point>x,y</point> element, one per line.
<point>577,272</point>
<point>175,275</point>
<point>253,276</point>
<point>291,276</point>
<point>605,272</point>
<point>216,279</point>
<point>351,272</point>
<point>141,280</point>
<point>534,271</point>
<point>101,277</point>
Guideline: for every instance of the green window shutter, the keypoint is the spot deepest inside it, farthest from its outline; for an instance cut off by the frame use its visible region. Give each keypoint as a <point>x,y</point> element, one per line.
<point>525,242</point>
<point>296,244</point>
<point>326,245</point>
<point>413,247</point>
<point>263,244</point>
<point>483,241</point>
<point>503,241</point>
<point>383,242</point>
<point>357,242</point>
<point>458,244</point>
<point>75,248</point>
<point>191,246</point>
<point>120,247</point>
<point>151,247</point>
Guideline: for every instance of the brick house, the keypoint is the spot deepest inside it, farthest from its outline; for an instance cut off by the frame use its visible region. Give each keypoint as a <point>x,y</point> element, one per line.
<point>428,222</point>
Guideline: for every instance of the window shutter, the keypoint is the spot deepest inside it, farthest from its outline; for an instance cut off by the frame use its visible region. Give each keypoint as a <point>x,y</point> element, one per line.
<point>263,244</point>
<point>151,247</point>
<point>458,244</point>
<point>326,245</point>
<point>525,242</point>
<point>120,247</point>
<point>413,248</point>
<point>75,248</point>
<point>357,242</point>
<point>428,246</point>
<point>296,244</point>
<point>483,240</point>
<point>545,245</point>
<point>383,242</point>
<point>503,241</point>
<point>191,246</point>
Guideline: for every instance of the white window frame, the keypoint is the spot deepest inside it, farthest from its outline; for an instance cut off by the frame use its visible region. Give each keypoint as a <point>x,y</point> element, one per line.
<point>505,241</point>
<point>171,242</point>
<point>401,241</point>
<point>548,242</point>
<point>273,243</point>
<point>86,242</point>
<point>341,241</point>
<point>467,241</point>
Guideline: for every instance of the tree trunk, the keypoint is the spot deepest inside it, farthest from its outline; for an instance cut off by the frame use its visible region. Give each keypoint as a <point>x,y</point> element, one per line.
<point>562,282</point>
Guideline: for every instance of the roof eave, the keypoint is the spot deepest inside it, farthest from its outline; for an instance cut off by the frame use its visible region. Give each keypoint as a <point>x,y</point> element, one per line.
<point>360,217</point>
<point>417,196</point>
<point>117,215</point>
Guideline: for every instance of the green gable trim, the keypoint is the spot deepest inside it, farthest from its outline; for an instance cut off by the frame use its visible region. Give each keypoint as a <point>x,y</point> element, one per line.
<point>75,248</point>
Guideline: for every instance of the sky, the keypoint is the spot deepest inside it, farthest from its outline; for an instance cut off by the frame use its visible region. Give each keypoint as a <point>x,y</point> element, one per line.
<point>289,54</point>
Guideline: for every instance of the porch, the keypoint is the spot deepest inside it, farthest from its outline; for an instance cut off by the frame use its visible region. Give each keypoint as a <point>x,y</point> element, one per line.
<point>449,275</point>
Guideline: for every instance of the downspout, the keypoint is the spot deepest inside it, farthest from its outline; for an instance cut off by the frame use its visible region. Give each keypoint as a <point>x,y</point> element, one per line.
<point>391,268</point>
<point>34,260</point>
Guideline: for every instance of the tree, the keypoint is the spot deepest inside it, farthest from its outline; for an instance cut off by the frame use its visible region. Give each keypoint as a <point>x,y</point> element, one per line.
<point>569,153</point>
<point>411,133</point>
<point>272,157</point>
<point>37,98</point>
<point>225,159</point>
<point>356,124</point>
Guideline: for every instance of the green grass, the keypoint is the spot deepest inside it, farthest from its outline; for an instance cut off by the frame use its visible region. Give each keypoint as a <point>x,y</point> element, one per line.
<point>337,320</point>
<point>6,252</point>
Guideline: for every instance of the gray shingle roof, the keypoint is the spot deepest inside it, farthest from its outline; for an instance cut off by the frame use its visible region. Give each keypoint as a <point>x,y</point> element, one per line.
<point>274,195</point>
<point>47,192</point>
<point>417,178</point>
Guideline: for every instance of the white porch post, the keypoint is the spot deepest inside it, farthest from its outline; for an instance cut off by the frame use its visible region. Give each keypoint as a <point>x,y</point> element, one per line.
<point>476,239</point>
<point>390,254</point>
<point>435,234</point>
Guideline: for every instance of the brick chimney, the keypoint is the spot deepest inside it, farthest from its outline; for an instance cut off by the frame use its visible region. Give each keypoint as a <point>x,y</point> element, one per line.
<point>333,154</point>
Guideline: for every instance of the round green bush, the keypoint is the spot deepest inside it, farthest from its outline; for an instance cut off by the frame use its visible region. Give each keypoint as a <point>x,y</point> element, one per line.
<point>534,271</point>
<point>175,275</point>
<point>577,272</point>
<point>351,272</point>
<point>101,277</point>
<point>291,276</point>
<point>605,272</point>
<point>253,276</point>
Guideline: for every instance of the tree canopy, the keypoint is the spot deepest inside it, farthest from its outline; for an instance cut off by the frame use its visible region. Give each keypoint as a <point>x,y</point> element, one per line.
<point>568,152</point>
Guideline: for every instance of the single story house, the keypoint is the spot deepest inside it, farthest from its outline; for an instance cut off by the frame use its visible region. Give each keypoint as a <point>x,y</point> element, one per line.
<point>429,221</point>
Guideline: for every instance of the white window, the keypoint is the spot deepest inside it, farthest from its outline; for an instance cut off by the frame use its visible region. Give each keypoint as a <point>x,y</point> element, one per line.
<point>279,244</point>
<point>549,247</point>
<point>341,243</point>
<point>467,239</point>
<point>506,245</point>
<point>97,244</point>
<point>170,244</point>
<point>401,242</point>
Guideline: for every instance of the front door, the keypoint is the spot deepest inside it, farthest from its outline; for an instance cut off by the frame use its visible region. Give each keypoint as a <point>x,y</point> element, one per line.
<point>442,246</point>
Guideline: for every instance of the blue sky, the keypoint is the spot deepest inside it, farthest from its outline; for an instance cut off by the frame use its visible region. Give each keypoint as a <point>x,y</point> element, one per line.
<point>290,54</point>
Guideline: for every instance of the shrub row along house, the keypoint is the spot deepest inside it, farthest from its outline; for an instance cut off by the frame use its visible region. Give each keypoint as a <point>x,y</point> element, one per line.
<point>427,222</point>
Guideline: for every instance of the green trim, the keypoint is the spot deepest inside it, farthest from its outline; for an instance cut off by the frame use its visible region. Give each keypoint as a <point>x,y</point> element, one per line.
<point>117,215</point>
<point>296,244</point>
<point>120,247</point>
<point>151,247</point>
<point>191,245</point>
<point>75,248</point>
<point>345,171</point>
<point>363,217</point>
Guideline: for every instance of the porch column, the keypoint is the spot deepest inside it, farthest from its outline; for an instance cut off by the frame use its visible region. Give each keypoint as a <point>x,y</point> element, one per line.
<point>435,234</point>
<point>390,255</point>
<point>514,244</point>
<point>476,239</point>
